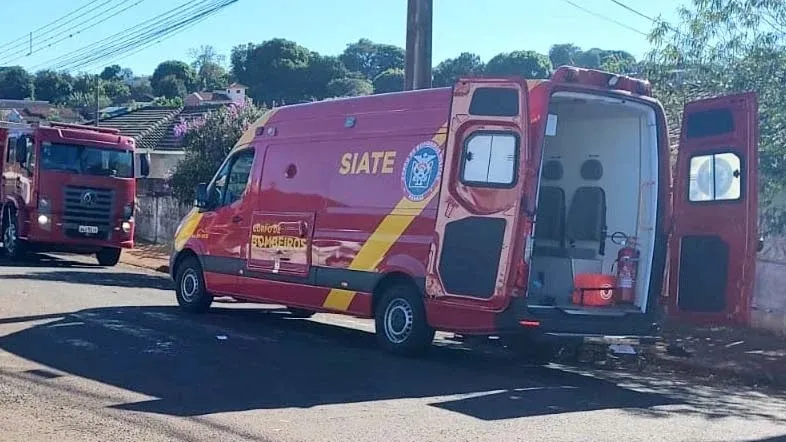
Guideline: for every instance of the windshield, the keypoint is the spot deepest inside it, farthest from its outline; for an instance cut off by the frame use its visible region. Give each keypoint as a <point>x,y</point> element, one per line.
<point>87,160</point>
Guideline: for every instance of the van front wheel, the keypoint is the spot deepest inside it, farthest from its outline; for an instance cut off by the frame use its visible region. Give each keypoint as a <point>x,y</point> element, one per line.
<point>192,295</point>
<point>400,321</point>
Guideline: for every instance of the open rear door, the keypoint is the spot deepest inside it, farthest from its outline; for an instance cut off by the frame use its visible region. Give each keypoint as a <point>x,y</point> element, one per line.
<point>480,193</point>
<point>714,240</point>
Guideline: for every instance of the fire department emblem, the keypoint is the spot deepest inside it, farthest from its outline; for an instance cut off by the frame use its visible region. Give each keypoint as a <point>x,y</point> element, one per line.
<point>88,199</point>
<point>421,170</point>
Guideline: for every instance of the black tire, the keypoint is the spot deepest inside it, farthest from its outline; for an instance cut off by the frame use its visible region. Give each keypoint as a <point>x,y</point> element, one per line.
<point>300,312</point>
<point>108,256</point>
<point>190,290</point>
<point>400,321</point>
<point>13,247</point>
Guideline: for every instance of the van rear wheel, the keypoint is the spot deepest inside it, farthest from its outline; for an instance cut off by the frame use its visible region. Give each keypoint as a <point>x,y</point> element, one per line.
<point>190,290</point>
<point>400,321</point>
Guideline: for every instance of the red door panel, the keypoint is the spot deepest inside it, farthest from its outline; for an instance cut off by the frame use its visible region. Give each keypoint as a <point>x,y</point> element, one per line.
<point>280,243</point>
<point>479,195</point>
<point>227,224</point>
<point>713,243</point>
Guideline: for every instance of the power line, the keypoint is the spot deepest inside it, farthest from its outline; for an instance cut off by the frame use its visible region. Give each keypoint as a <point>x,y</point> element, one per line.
<point>123,57</point>
<point>603,17</point>
<point>110,13</point>
<point>24,37</point>
<point>136,37</point>
<point>22,45</point>
<point>118,37</point>
<point>158,34</point>
<point>619,3</point>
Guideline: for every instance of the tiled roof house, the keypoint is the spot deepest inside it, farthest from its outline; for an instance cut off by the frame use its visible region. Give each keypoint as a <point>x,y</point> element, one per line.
<point>153,129</point>
<point>30,111</point>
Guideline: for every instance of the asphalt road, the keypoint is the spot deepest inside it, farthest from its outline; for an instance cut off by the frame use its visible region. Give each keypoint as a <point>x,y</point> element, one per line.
<point>89,354</point>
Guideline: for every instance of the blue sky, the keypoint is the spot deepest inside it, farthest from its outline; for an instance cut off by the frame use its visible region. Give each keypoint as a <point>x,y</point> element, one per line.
<point>327,26</point>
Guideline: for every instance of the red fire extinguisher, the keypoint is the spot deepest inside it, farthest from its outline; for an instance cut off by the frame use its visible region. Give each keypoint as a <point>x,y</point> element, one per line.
<point>627,266</point>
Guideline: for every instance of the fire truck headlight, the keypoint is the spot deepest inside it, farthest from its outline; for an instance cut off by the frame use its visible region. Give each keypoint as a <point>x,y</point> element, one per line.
<point>43,220</point>
<point>126,226</point>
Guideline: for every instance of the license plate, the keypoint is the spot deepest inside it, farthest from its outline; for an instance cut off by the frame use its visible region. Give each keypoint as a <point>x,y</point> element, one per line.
<point>622,349</point>
<point>92,230</point>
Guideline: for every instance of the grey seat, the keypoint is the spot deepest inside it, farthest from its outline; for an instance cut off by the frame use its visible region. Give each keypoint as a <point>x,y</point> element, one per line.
<point>586,223</point>
<point>550,222</point>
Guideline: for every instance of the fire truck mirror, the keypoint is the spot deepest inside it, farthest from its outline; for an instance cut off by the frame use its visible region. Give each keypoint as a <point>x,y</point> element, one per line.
<point>21,150</point>
<point>144,164</point>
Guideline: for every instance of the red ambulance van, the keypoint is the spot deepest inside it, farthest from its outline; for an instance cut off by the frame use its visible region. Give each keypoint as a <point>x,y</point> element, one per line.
<point>498,206</point>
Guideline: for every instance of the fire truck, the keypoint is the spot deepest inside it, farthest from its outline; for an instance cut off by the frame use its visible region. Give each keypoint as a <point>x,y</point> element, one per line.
<point>543,209</point>
<point>67,188</point>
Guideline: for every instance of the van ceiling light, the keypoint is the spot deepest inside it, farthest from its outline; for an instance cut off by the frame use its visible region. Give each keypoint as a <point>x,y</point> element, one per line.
<point>613,80</point>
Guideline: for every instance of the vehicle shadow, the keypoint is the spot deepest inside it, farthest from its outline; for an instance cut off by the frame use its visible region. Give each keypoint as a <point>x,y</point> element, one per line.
<point>80,273</point>
<point>47,261</point>
<point>236,359</point>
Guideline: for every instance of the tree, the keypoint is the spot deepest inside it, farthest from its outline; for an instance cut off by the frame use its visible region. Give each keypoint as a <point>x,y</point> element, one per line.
<point>350,87</point>
<point>727,46</point>
<point>564,54</point>
<point>117,91</point>
<point>15,83</point>
<point>321,71</point>
<point>111,73</point>
<point>53,86</point>
<point>212,76</point>
<point>172,86</point>
<point>206,142</point>
<point>274,71</point>
<point>466,64</point>
<point>529,64</point>
<point>392,80</point>
<point>140,88</point>
<point>178,69</point>
<point>205,54</point>
<point>371,59</point>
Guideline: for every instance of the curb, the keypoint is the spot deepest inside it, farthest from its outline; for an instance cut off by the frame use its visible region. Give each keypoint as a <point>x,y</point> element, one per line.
<point>159,269</point>
<point>703,369</point>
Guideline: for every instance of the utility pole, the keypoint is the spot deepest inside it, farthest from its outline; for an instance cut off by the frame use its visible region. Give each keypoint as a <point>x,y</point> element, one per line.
<point>98,95</point>
<point>417,73</point>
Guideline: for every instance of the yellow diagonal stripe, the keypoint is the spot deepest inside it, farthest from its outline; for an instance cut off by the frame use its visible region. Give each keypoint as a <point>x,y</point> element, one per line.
<point>385,235</point>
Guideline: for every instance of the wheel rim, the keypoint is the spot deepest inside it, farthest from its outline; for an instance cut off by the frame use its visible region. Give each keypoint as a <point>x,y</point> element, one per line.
<point>399,321</point>
<point>9,238</point>
<point>189,286</point>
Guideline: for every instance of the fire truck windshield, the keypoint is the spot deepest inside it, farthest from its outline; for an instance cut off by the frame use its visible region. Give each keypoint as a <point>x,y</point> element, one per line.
<point>87,160</point>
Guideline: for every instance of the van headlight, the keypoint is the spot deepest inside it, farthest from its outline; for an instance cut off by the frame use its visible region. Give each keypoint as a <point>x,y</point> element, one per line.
<point>43,220</point>
<point>126,226</point>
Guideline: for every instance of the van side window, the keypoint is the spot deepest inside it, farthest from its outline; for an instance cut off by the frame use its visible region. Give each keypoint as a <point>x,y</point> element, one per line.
<point>490,159</point>
<point>232,180</point>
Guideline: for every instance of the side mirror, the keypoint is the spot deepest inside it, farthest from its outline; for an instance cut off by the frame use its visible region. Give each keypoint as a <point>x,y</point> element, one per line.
<point>144,164</point>
<point>21,150</point>
<point>201,200</point>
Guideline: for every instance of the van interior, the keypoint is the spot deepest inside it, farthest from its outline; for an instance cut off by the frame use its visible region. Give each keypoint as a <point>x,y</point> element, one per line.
<point>598,186</point>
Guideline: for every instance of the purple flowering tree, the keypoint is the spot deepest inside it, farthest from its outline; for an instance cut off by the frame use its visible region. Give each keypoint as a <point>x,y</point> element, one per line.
<point>206,141</point>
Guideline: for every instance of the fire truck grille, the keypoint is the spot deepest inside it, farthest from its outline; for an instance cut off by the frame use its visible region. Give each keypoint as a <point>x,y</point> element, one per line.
<point>88,212</point>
